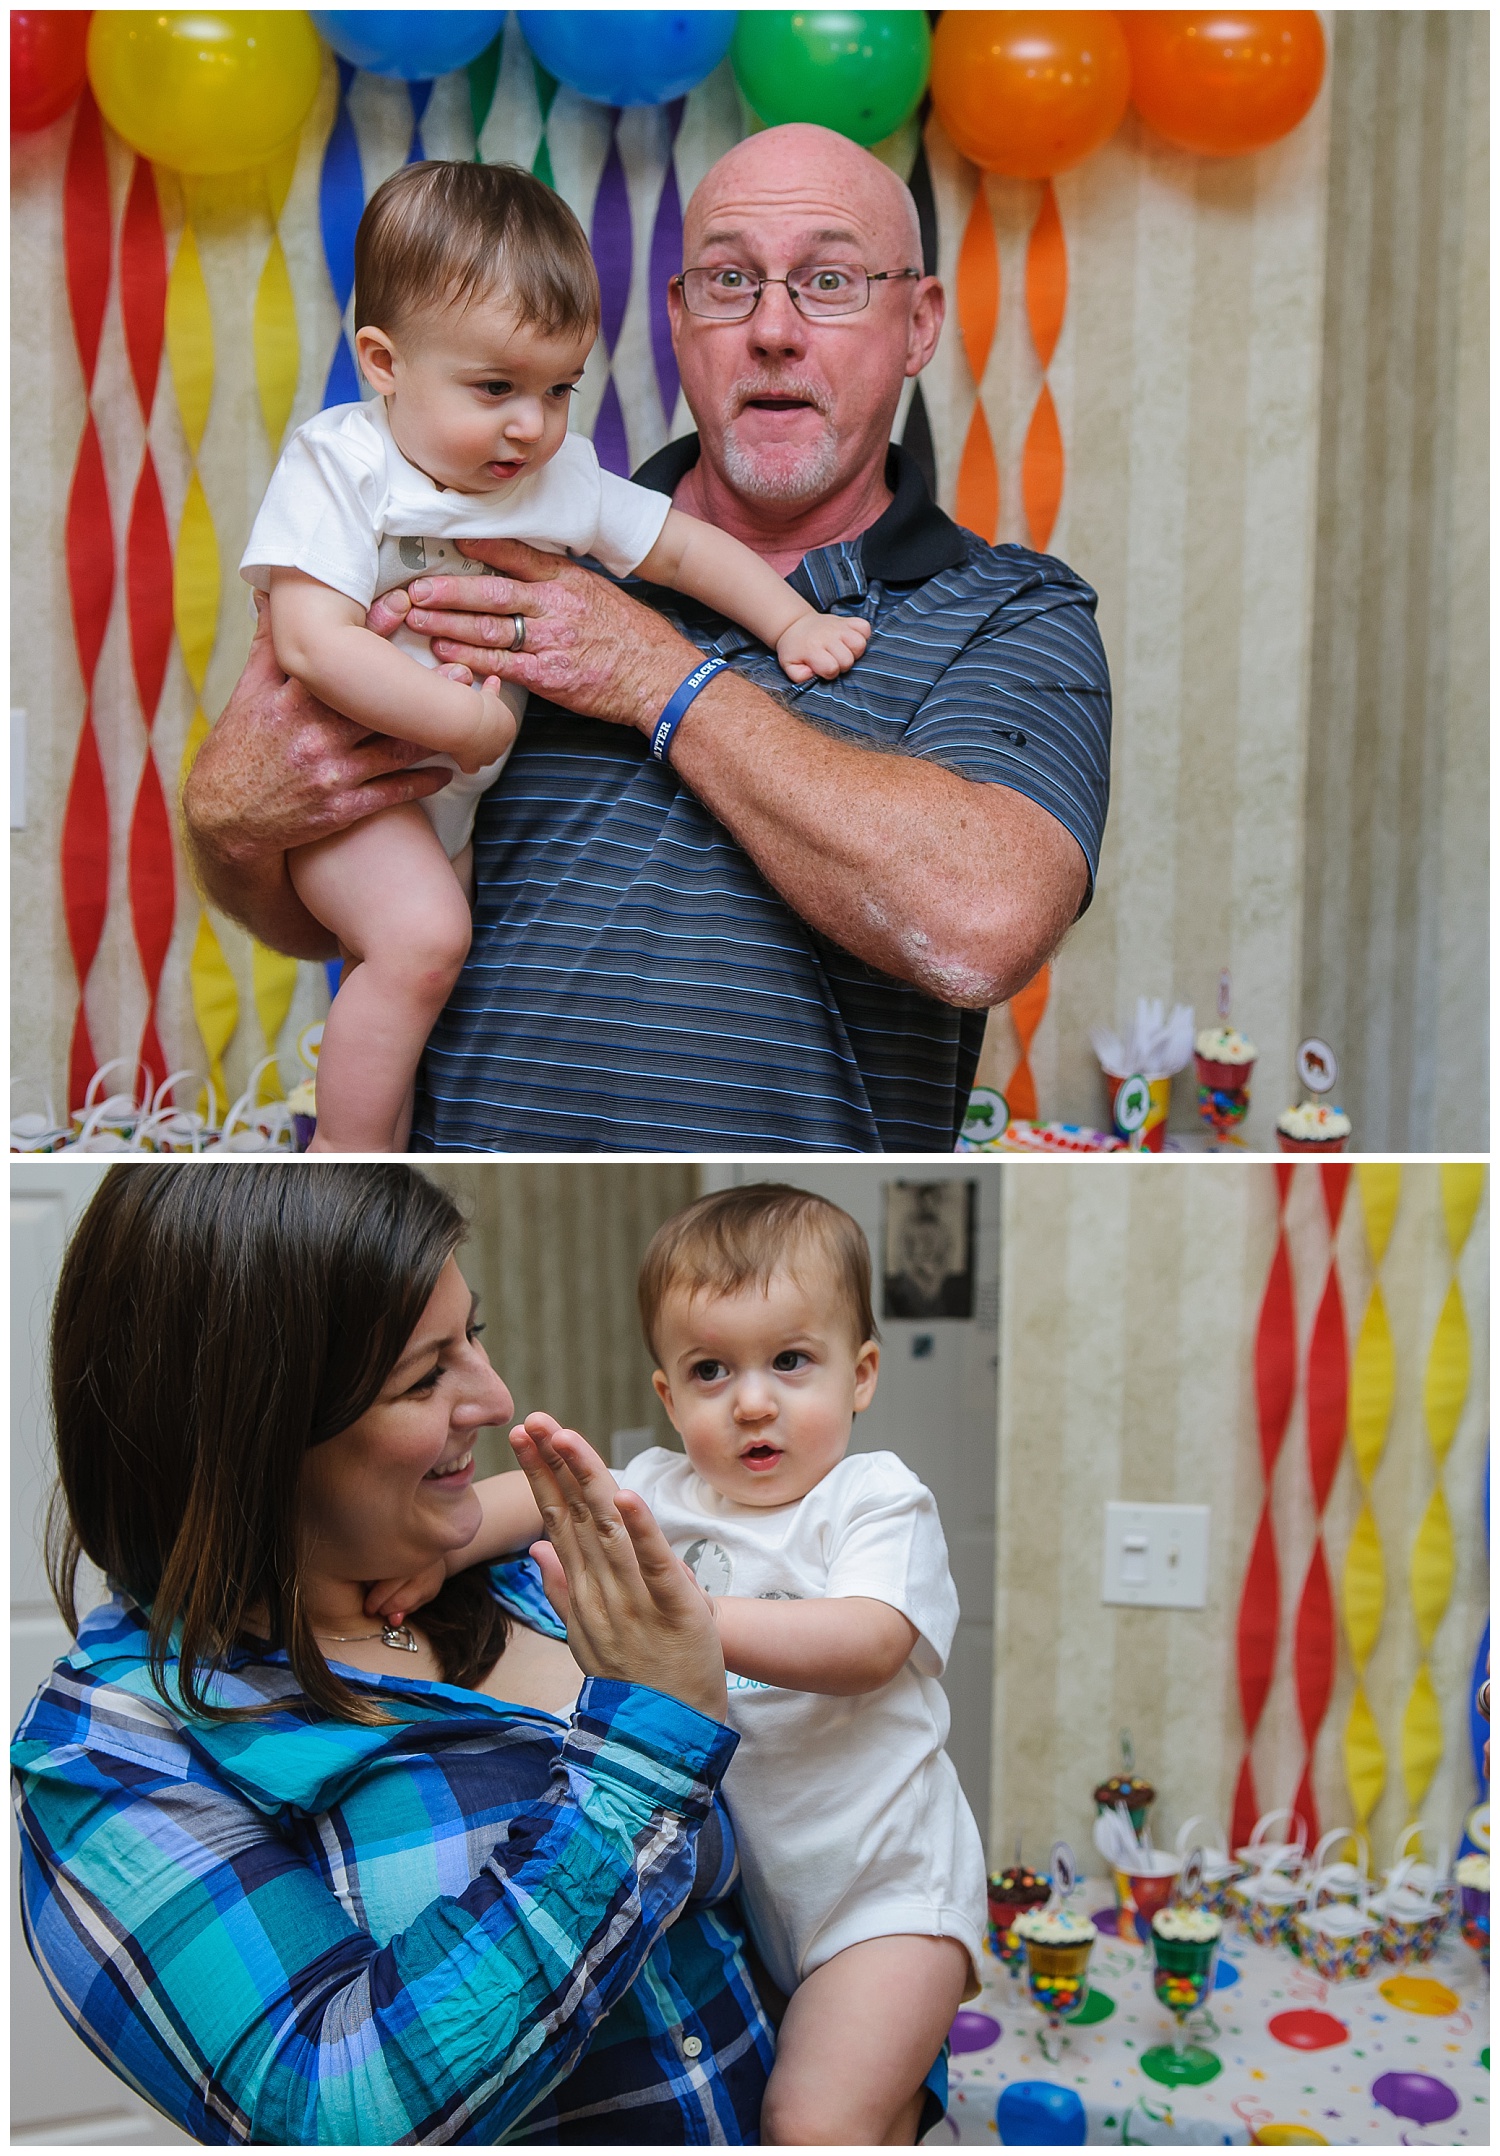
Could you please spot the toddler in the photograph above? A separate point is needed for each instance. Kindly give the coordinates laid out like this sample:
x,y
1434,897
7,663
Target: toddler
x,y
863,1868
476,305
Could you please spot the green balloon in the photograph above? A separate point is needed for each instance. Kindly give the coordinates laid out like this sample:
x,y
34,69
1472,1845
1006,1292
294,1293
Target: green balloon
x,y
862,75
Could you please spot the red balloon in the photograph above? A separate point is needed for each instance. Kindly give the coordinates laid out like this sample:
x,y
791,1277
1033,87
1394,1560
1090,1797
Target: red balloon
x,y
1223,85
1032,91
46,65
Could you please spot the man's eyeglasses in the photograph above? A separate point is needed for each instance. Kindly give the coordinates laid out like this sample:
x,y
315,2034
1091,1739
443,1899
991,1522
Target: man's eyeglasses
x,y
729,294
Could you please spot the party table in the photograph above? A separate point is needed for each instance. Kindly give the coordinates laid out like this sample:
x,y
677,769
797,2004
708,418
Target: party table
x,y
1400,2057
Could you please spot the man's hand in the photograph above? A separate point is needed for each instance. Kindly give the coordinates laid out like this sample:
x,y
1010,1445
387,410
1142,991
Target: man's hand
x,y
588,646
278,771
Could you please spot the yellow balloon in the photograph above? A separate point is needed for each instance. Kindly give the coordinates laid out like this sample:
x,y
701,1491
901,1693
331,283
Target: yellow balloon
x,y
205,93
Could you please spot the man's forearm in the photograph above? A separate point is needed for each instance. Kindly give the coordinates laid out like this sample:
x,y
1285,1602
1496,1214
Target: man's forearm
x,y
839,1647
962,888
256,890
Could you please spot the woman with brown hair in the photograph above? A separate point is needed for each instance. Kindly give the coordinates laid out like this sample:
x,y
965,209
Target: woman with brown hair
x,y
299,1876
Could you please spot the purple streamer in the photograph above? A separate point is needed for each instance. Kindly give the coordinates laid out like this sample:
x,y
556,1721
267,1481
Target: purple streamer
x,y
666,261
610,240
418,92
610,444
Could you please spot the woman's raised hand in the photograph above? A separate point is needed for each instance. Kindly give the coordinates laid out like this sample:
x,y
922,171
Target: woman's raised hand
x,y
632,1610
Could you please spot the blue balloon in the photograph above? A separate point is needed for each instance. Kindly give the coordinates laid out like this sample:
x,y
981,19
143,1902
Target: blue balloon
x,y
413,44
1041,2114
629,56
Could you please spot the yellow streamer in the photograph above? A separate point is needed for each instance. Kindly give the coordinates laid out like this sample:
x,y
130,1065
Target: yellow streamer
x,y
1447,1379
275,980
1372,1393
216,1006
1379,1191
195,584
1433,1561
277,354
1432,1568
1463,1187
1364,1756
190,339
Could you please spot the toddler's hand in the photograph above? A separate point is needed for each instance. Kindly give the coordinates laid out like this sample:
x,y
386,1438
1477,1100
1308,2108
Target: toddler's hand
x,y
496,730
823,644
394,1600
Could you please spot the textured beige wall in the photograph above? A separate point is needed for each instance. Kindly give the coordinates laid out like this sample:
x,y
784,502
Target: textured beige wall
x,y
1395,944
1190,380
1129,1305
553,1254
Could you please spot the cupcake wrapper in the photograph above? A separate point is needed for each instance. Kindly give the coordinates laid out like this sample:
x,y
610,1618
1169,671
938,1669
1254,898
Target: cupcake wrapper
x,y
1311,1145
1224,1077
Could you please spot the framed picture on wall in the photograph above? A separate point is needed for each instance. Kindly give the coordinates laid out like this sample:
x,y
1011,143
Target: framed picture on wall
x,y
928,1270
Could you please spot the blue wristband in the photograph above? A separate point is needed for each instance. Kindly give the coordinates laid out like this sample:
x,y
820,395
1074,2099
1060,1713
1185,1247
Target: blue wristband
x,y
677,703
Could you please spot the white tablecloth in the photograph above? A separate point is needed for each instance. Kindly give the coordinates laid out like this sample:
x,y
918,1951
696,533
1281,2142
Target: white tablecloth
x,y
1425,2063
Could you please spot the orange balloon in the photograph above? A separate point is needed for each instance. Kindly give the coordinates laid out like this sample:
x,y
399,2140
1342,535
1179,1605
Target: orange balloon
x,y
1032,91
1224,84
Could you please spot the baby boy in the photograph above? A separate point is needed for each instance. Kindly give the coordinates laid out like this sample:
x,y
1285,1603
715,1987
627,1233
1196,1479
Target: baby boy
x,y
828,1573
476,305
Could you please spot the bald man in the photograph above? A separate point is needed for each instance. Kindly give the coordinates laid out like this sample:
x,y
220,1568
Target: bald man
x,y
784,936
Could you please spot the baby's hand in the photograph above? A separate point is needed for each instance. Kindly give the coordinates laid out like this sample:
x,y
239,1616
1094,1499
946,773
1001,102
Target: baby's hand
x,y
823,644
394,1600
496,730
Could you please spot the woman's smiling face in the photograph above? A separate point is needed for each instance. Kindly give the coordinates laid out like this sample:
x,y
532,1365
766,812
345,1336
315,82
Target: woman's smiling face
x,y
395,1490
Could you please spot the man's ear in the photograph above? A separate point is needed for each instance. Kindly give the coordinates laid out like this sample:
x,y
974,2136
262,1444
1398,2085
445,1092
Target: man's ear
x,y
928,310
377,359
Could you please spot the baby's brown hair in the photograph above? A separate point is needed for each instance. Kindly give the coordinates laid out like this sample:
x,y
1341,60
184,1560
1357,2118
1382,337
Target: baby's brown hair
x,y
735,1238
441,234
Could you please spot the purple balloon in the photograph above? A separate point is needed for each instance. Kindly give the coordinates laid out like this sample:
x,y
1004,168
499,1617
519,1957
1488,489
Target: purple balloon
x,y
973,2032
1415,2096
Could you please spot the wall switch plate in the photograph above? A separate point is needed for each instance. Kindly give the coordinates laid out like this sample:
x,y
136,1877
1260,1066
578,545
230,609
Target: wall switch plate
x,y
1156,1556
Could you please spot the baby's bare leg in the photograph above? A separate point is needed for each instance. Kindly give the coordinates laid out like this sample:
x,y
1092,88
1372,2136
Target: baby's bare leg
x,y
386,889
857,2041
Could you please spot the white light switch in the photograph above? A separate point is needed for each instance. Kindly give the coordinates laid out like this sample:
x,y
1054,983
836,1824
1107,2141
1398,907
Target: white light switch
x,y
1156,1556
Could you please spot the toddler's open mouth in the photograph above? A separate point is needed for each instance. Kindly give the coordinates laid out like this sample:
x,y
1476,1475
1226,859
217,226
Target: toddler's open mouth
x,y
759,1457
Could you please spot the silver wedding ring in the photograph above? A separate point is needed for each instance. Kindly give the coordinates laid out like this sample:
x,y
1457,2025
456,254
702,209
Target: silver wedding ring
x,y
518,624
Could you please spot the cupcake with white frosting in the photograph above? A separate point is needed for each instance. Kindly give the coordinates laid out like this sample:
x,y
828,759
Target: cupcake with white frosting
x,y
1312,1128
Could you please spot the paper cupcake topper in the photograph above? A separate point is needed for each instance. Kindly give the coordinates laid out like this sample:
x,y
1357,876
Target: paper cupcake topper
x,y
1064,1870
987,1116
1190,1878
1317,1065
1224,996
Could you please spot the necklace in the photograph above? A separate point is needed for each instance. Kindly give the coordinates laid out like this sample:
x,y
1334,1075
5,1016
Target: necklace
x,y
389,1635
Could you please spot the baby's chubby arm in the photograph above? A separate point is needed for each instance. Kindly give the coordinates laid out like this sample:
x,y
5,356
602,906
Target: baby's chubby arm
x,y
321,638
704,563
840,1646
511,1523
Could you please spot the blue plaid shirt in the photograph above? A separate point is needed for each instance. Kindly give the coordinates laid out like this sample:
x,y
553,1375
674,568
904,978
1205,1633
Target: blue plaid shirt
x,y
452,1928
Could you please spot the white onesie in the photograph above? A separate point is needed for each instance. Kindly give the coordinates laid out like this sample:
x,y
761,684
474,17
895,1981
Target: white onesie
x,y
848,1813
345,507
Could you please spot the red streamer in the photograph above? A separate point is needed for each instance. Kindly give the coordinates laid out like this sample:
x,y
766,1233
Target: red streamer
x,y
1327,1418
1259,1618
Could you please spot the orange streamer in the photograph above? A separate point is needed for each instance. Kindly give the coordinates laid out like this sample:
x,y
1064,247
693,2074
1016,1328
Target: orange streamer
x,y
977,500
1042,461
1026,1008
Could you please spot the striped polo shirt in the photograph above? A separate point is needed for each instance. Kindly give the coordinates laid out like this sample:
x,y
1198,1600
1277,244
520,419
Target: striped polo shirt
x,y
635,984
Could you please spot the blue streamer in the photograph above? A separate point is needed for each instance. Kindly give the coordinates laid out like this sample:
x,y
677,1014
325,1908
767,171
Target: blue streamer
x,y
418,92
341,204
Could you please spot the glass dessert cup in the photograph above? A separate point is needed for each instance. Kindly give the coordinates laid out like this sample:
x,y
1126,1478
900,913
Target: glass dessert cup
x,y
1057,1979
1184,1979
1011,1892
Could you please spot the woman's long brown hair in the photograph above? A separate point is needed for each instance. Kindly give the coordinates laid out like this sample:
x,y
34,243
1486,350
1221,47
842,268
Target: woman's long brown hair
x,y
211,1324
